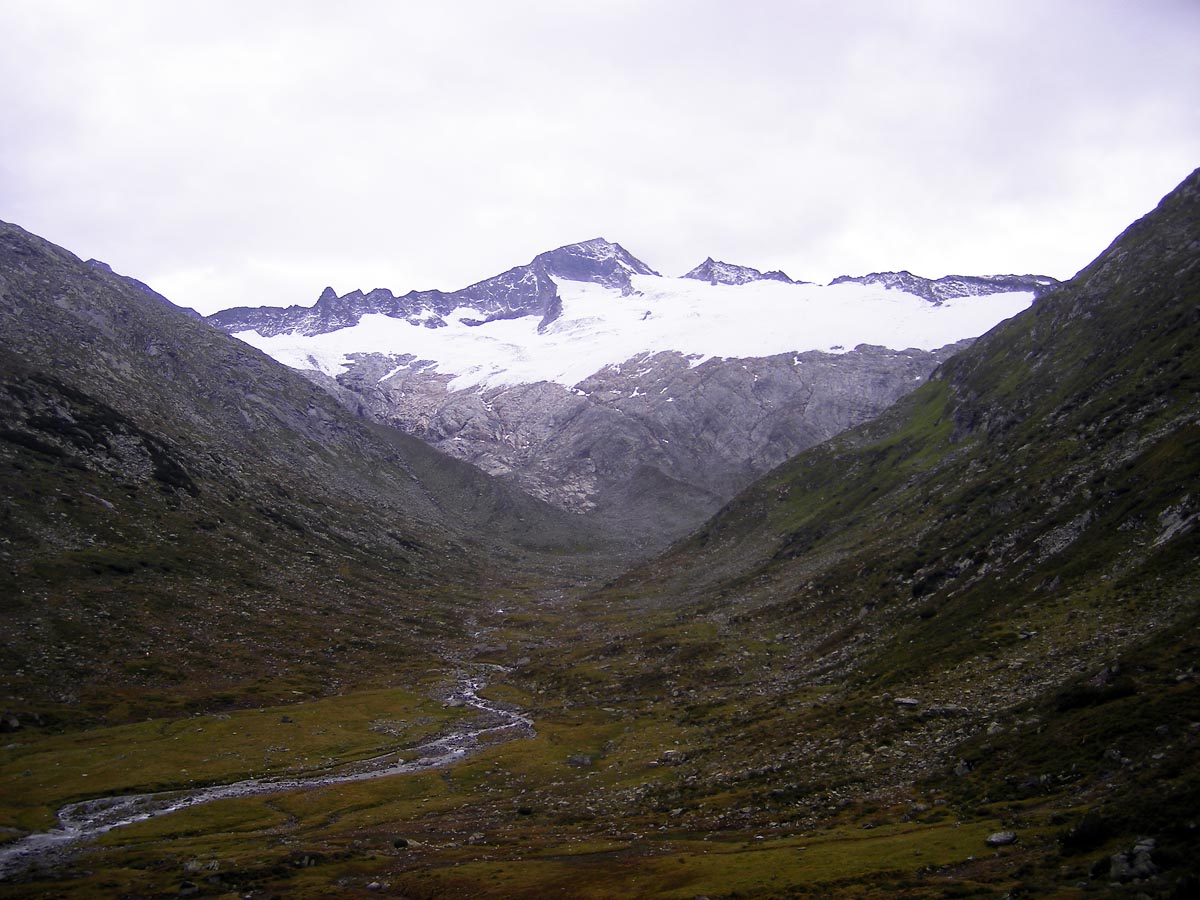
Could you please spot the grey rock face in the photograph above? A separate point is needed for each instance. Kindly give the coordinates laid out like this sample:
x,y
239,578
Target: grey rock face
x,y
1135,864
938,291
655,443
142,286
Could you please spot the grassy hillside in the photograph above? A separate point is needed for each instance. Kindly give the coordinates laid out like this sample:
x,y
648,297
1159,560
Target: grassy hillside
x,y
997,578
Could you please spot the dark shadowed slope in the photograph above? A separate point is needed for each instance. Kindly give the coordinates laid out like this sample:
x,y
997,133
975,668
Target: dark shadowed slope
x,y
182,512
1011,440
988,594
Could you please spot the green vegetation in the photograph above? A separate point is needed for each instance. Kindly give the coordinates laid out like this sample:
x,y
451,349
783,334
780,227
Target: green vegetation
x,y
41,772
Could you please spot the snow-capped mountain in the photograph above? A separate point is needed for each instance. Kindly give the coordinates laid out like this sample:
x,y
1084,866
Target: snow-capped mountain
x,y
604,387
522,291
573,311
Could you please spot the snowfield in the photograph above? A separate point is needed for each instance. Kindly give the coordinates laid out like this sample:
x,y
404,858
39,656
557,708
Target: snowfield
x,y
598,327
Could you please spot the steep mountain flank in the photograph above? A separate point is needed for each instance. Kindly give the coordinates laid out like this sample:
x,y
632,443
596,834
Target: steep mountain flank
x,y
652,446
985,598
182,511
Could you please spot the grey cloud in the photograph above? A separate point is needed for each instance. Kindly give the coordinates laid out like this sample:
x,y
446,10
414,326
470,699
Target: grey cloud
x,y
243,153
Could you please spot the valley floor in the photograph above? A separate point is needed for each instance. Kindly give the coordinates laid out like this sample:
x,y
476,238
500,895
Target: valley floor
x,y
617,791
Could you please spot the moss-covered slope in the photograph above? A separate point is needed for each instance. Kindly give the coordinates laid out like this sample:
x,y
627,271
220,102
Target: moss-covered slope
x,y
998,578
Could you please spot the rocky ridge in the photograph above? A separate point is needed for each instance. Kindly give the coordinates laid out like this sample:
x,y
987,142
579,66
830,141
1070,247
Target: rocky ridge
x,y
527,290
715,272
939,290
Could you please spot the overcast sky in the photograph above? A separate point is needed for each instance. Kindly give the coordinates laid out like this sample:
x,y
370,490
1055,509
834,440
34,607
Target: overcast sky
x,y
249,153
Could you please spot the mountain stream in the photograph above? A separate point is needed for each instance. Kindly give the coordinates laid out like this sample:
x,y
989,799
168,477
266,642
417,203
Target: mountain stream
x,y
86,819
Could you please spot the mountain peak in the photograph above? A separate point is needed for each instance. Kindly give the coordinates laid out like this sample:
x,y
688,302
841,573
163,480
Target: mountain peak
x,y
716,272
600,247
596,260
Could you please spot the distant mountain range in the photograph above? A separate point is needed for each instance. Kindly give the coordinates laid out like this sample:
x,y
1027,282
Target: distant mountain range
x,y
531,290
527,290
591,381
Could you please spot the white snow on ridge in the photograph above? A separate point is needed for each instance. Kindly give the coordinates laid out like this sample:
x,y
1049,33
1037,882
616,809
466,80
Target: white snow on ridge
x,y
599,327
